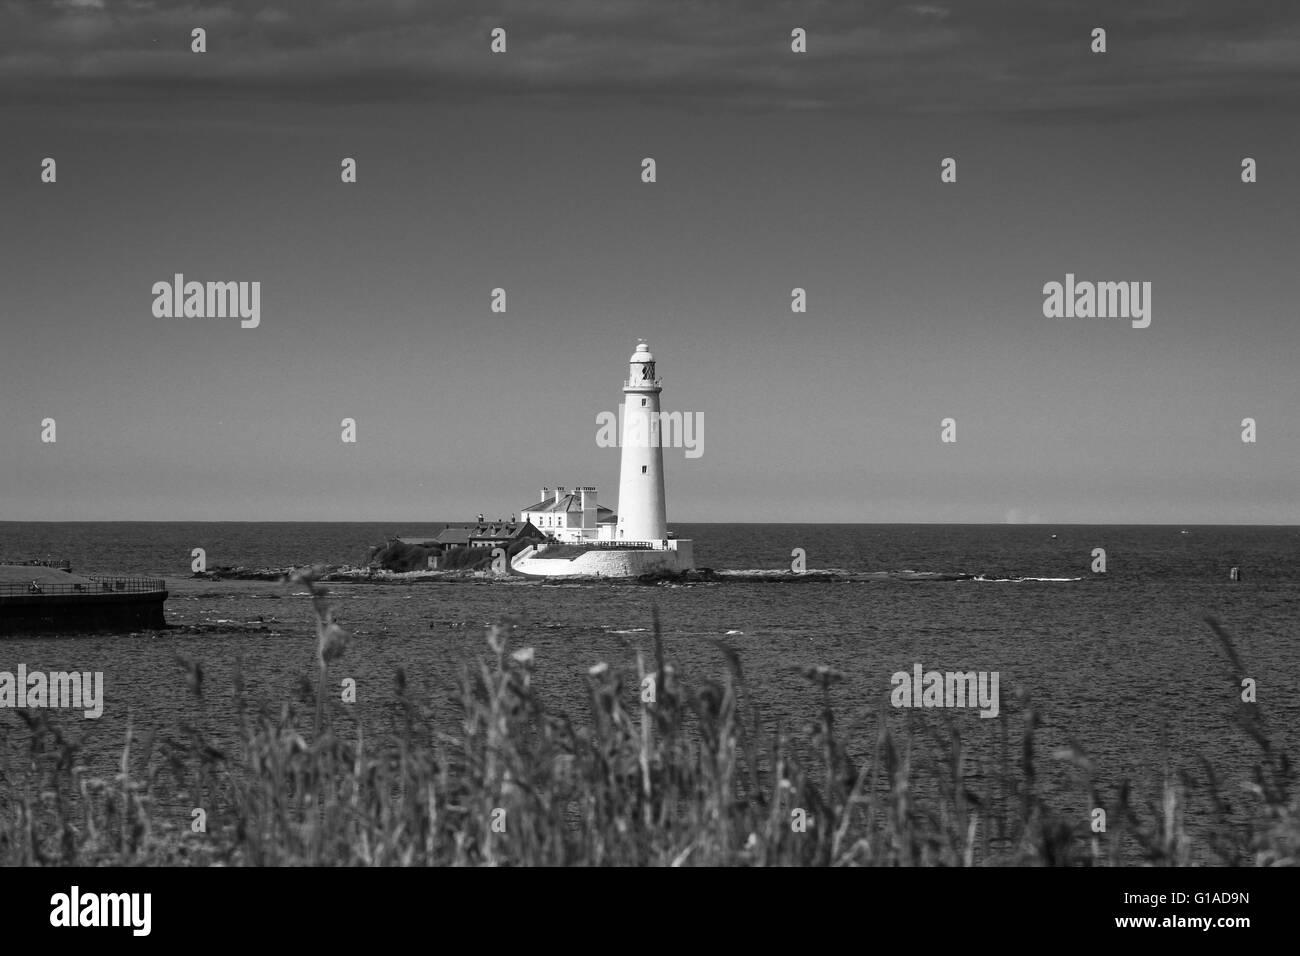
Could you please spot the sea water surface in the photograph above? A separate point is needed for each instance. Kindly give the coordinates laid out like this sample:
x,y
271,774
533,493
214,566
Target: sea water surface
x,y
1120,662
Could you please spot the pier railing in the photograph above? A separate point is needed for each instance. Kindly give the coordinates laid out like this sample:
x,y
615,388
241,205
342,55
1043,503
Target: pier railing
x,y
593,544
96,585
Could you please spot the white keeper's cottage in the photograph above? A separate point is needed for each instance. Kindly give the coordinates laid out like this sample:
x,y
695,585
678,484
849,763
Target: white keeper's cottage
x,y
571,515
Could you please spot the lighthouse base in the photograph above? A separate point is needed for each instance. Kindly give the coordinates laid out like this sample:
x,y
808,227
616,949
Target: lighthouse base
x,y
605,560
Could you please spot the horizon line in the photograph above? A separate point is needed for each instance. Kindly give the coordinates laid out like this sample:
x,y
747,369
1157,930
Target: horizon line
x,y
985,524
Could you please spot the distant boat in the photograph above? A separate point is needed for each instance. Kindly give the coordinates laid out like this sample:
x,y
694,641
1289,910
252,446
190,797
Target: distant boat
x,y
1184,531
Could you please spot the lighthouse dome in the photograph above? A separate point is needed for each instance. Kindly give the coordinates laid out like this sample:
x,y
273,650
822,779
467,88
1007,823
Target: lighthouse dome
x,y
642,354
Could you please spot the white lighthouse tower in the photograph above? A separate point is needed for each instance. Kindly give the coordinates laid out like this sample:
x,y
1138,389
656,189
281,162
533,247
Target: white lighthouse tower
x,y
642,515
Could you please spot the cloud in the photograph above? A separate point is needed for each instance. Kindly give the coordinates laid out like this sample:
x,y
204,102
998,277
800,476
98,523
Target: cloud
x,y
1019,57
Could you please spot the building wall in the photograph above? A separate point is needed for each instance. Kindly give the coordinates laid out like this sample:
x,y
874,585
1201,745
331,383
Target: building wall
x,y
83,613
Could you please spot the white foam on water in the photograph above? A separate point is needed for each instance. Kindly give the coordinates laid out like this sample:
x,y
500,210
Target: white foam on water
x,y
1020,580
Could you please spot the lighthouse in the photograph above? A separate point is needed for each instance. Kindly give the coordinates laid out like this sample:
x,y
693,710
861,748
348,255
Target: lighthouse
x,y
635,543
642,515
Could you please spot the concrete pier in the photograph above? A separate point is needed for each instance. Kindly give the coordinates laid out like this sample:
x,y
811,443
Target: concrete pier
x,y
46,600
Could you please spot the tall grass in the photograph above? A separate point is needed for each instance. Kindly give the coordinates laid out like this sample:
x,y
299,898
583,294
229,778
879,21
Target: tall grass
x,y
658,772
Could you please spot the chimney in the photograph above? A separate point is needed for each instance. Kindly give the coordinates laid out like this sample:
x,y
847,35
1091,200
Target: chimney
x,y
589,507
559,493
546,493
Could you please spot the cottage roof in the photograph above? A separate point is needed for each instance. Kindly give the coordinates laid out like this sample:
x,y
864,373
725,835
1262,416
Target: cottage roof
x,y
568,502
503,531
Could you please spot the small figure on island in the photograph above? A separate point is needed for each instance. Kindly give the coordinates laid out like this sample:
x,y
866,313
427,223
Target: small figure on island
x,y
35,588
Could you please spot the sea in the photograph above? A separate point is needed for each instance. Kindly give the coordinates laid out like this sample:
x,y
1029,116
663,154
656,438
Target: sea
x,y
1120,663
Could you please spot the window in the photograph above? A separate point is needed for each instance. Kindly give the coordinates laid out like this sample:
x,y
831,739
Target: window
x,y
643,401
643,469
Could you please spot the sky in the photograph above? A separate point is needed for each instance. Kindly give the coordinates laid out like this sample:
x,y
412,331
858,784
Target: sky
x,y
775,170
